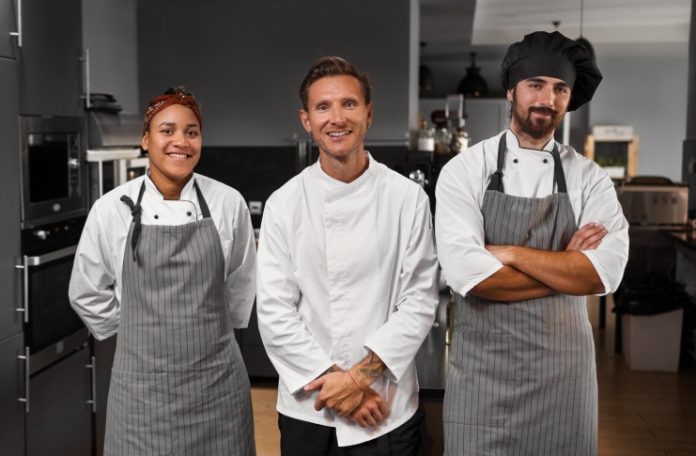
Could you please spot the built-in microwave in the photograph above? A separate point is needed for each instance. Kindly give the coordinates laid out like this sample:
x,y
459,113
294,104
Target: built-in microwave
x,y
52,174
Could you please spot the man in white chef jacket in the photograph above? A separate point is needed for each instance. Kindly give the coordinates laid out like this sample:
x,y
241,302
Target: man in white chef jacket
x,y
526,227
347,283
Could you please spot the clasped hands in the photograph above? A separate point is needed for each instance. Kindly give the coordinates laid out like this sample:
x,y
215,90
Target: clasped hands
x,y
340,391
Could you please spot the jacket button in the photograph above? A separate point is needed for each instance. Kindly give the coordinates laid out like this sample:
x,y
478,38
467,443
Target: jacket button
x,y
188,213
156,216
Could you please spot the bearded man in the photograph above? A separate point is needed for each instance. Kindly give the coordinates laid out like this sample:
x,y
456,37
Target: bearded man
x,y
522,376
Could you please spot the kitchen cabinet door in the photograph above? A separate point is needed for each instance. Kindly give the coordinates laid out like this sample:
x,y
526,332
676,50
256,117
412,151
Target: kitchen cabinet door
x,y
103,359
60,419
12,413
10,299
8,24
50,66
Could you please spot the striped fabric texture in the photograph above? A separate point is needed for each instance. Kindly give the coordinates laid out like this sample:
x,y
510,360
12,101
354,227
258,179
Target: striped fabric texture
x,y
522,376
179,385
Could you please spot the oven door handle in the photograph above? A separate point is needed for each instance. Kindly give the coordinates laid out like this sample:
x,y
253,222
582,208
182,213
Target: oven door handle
x,y
30,261
51,256
92,366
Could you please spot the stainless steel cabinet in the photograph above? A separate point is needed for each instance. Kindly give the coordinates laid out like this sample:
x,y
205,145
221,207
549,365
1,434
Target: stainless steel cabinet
x,y
50,65
8,25
12,387
60,419
10,319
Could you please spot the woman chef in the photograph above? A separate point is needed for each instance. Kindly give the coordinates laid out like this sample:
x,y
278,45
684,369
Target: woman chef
x,y
167,261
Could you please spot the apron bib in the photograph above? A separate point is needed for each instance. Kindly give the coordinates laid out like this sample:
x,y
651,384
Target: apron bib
x,y
178,384
522,378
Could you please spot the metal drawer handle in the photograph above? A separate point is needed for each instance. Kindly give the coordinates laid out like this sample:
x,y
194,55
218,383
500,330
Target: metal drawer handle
x,y
18,33
93,374
24,266
27,371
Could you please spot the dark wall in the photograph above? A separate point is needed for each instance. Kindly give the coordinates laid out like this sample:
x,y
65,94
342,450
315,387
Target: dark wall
x,y
691,104
245,60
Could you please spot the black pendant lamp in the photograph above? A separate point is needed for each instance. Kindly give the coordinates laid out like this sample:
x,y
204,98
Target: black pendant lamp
x,y
581,39
473,84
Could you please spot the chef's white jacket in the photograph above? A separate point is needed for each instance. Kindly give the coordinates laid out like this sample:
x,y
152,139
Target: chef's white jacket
x,y
345,269
527,173
95,284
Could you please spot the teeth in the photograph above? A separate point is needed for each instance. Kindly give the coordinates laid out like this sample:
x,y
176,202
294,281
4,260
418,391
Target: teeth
x,y
178,155
336,134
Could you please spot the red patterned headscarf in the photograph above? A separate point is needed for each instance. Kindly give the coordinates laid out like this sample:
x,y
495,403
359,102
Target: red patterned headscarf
x,y
176,95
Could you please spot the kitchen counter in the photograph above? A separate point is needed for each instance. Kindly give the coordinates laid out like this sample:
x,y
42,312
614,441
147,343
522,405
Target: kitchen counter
x,y
684,241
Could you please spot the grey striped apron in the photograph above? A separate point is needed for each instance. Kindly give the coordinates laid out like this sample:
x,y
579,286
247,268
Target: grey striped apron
x,y
178,384
522,377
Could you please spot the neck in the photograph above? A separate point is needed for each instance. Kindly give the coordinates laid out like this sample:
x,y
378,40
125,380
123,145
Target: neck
x,y
170,190
345,169
529,142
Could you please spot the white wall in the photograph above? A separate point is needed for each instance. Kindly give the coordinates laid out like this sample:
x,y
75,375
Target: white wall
x,y
646,89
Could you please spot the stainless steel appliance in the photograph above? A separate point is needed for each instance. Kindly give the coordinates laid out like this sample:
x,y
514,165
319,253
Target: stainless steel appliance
x,y
113,153
654,201
51,169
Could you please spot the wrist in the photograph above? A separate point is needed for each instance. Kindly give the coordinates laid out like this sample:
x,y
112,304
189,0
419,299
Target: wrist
x,y
354,378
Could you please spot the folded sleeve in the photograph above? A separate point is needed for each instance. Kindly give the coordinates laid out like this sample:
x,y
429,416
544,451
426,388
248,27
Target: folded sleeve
x,y
397,341
91,290
602,206
292,349
241,271
459,229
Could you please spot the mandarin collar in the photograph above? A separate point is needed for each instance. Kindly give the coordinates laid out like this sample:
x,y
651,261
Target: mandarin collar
x,y
513,143
187,193
334,184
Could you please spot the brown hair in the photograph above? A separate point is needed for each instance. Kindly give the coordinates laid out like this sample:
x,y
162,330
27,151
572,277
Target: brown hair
x,y
173,95
334,66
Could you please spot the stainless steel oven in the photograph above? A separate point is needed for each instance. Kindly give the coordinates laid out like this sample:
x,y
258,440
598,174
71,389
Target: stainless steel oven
x,y
48,252
51,169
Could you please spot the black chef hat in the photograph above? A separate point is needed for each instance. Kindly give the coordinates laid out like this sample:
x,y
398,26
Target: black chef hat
x,y
553,55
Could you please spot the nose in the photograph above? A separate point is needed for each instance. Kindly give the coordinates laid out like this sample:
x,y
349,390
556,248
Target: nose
x,y
180,139
547,96
336,115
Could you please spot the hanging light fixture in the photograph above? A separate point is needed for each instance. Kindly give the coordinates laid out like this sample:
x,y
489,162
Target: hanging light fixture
x,y
473,84
581,39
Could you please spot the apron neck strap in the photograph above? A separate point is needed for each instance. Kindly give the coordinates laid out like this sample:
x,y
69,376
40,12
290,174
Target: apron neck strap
x,y
496,183
201,201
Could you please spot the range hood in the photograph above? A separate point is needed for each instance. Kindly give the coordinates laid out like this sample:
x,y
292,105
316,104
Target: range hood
x,y
113,136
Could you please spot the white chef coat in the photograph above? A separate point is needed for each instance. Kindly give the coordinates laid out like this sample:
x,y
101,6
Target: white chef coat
x,y
95,284
527,173
345,269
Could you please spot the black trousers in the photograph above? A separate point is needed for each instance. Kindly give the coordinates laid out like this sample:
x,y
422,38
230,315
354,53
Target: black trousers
x,y
300,438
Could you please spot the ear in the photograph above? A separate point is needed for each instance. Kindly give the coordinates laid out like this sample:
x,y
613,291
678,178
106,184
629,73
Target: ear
x,y
369,114
145,142
304,119
509,95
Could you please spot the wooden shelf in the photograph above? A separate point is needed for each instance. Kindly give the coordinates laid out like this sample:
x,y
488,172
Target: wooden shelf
x,y
627,149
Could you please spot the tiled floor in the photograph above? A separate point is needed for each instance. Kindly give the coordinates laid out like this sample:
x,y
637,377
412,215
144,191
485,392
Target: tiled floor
x,y
640,413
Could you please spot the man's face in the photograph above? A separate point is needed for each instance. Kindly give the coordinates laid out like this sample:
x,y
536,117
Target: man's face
x,y
337,116
538,105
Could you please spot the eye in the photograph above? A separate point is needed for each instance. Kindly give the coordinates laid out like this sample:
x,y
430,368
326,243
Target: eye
x,y
350,104
562,89
193,133
322,107
166,131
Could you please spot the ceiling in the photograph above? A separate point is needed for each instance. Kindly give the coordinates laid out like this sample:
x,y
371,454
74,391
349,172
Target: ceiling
x,y
452,27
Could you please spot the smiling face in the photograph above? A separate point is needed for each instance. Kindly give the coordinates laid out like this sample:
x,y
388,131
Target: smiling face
x,y
173,143
337,116
538,106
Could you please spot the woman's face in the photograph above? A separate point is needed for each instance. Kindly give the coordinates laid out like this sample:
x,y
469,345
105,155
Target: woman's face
x,y
173,143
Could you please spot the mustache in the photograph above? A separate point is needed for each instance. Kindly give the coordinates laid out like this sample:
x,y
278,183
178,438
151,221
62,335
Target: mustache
x,y
543,110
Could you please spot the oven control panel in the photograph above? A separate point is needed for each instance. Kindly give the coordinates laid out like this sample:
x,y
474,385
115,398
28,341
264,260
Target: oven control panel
x,y
52,236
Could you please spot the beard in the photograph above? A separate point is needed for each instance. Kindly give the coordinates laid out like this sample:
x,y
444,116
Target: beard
x,y
536,128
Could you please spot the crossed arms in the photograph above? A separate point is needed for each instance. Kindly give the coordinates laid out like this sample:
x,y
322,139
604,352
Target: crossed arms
x,y
530,273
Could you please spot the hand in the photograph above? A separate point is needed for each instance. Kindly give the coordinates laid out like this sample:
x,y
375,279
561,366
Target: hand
x,y
338,392
502,252
587,237
371,411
